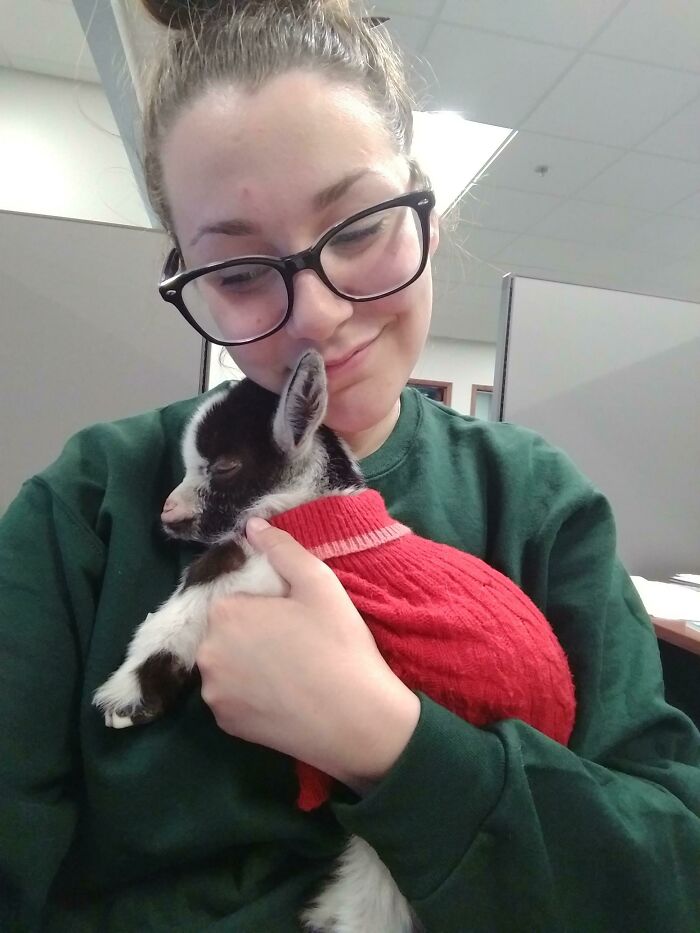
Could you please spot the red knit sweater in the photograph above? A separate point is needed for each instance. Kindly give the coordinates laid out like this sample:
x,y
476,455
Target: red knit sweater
x,y
446,623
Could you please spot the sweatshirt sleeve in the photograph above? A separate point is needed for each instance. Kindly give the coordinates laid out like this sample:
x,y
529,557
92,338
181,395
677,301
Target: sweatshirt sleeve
x,y
501,828
42,600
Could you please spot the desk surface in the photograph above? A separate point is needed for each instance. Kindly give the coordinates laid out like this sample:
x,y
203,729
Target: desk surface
x,y
676,632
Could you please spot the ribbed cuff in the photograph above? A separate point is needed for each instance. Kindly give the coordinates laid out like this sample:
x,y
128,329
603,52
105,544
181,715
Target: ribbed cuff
x,y
423,816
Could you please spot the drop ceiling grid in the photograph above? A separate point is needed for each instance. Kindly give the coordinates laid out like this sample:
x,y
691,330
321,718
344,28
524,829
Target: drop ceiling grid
x,y
639,225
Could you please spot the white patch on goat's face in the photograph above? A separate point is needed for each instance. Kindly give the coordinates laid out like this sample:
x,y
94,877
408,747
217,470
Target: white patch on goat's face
x,y
183,505
195,464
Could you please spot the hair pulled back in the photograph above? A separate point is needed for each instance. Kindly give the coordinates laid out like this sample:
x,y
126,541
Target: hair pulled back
x,y
244,43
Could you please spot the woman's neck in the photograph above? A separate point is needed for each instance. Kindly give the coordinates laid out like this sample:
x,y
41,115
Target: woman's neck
x,y
364,443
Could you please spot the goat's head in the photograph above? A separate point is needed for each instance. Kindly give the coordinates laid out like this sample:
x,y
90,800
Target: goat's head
x,y
248,452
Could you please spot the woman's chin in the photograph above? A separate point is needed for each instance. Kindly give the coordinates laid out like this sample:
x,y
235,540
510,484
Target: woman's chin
x,y
362,410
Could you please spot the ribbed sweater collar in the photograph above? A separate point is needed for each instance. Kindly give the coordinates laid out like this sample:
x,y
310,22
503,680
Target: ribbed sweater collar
x,y
337,525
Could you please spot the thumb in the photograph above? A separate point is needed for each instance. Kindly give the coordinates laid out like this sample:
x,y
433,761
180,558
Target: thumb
x,y
291,561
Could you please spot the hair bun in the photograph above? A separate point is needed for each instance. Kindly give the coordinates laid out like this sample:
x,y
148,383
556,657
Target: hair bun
x,y
180,14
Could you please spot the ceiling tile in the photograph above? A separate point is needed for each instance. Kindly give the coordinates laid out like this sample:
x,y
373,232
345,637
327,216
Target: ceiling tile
x,y
682,279
587,222
492,79
688,207
471,271
662,32
666,235
470,314
644,181
514,268
450,261
543,20
585,264
480,242
480,296
637,98
543,252
425,8
680,137
410,32
506,209
572,164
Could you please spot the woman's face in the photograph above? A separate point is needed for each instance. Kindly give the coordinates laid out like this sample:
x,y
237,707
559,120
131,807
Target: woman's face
x,y
263,159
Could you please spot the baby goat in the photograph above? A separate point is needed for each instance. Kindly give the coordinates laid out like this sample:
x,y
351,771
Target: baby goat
x,y
483,649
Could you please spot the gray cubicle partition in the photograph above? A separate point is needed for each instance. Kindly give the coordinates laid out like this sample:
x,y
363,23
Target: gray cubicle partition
x,y
613,379
84,335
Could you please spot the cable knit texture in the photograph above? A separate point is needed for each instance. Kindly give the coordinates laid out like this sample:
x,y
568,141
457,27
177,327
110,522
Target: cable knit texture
x,y
447,623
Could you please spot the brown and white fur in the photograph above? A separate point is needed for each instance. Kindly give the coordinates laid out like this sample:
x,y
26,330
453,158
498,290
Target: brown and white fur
x,y
247,452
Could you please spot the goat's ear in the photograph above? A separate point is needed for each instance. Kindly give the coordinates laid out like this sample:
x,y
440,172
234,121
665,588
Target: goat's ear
x,y
302,405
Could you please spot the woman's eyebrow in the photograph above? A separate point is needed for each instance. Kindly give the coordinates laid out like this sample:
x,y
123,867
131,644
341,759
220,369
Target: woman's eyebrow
x,y
229,227
321,200
338,188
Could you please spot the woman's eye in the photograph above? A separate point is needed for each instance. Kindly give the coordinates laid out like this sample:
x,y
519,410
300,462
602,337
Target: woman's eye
x,y
354,235
241,280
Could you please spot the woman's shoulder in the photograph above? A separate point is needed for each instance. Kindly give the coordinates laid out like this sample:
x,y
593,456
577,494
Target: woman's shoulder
x,y
119,458
508,440
502,454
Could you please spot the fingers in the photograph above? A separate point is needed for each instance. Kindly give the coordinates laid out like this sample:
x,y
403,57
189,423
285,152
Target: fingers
x,y
291,561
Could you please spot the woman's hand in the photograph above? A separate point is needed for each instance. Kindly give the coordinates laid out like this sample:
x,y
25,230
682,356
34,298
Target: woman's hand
x,y
302,673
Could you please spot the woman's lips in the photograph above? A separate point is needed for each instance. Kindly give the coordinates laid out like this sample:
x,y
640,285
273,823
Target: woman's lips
x,y
350,360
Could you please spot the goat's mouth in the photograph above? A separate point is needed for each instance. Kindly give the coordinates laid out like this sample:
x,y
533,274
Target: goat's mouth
x,y
185,528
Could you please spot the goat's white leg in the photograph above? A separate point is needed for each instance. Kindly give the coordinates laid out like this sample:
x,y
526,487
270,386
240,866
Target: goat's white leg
x,y
162,652
160,658
361,897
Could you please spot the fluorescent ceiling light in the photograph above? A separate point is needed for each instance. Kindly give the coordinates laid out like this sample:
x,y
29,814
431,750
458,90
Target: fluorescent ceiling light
x,y
454,152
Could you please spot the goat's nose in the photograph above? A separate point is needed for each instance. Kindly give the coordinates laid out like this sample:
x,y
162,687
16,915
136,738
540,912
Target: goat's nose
x,y
175,510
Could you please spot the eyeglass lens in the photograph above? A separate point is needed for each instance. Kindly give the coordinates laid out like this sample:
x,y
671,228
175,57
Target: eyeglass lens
x,y
366,259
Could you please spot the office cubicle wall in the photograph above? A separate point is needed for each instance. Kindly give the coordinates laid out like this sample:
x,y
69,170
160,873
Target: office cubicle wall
x,y
613,379
84,335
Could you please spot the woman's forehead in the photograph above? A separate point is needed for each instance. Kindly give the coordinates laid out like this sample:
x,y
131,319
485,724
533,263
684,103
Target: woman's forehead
x,y
273,149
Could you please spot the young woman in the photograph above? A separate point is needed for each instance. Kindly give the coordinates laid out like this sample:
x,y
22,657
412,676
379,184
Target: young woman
x,y
266,127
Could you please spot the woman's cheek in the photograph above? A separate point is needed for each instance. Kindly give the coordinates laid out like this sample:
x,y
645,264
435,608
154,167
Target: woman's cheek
x,y
263,363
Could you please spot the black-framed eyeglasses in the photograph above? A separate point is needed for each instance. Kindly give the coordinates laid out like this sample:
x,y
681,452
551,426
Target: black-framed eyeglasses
x,y
371,255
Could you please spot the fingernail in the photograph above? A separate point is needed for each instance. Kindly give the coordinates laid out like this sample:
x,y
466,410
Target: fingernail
x,y
256,524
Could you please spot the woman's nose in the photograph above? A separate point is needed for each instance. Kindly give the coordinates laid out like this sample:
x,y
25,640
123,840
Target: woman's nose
x,y
317,311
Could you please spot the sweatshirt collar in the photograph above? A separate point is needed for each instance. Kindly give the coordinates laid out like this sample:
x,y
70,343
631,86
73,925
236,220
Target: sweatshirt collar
x,y
396,447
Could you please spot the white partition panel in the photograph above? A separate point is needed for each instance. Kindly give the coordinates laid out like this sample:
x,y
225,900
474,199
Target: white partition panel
x,y
613,379
84,335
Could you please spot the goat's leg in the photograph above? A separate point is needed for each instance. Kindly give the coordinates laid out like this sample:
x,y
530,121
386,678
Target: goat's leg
x,y
361,896
159,660
162,652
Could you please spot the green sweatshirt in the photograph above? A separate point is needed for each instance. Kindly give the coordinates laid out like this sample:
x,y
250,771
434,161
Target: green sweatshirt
x,y
176,826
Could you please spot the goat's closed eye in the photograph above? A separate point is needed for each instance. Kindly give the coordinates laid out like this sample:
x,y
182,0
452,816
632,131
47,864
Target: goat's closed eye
x,y
225,467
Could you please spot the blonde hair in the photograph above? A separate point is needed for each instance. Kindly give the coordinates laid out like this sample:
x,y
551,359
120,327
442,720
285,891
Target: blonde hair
x,y
244,44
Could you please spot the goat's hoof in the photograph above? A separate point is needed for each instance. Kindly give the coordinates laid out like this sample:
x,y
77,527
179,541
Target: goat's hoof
x,y
117,721
120,700
134,716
